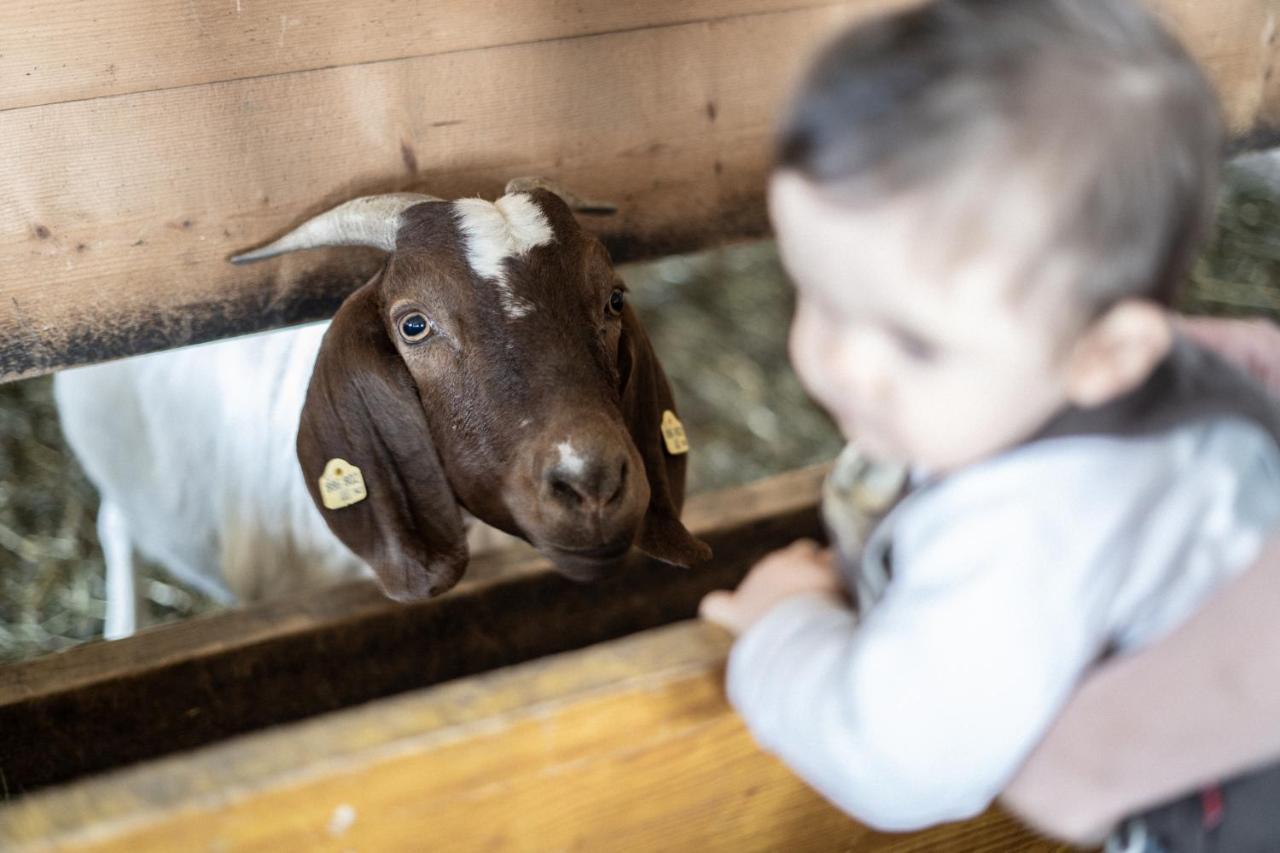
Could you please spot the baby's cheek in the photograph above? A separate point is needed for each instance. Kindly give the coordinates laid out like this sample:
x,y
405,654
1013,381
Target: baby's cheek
x,y
947,425
806,350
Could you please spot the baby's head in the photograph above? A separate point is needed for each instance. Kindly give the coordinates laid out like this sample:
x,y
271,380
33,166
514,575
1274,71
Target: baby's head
x,y
985,206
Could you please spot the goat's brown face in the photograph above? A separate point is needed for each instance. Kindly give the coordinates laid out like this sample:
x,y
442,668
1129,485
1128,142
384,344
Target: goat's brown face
x,y
494,365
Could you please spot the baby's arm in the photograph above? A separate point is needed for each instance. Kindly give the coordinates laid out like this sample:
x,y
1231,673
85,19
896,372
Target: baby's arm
x,y
1198,707
922,713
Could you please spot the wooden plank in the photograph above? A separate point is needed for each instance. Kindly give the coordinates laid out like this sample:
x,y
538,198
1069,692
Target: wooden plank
x,y
73,52
1237,44
105,705
100,48
116,220
624,746
132,229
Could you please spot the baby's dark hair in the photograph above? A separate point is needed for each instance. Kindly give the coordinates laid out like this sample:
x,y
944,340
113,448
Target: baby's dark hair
x,y
1097,105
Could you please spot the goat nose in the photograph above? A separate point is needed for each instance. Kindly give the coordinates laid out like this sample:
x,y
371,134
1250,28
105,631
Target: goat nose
x,y
592,487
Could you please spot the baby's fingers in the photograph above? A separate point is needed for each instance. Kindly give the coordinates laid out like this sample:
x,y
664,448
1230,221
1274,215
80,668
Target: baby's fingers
x,y
718,609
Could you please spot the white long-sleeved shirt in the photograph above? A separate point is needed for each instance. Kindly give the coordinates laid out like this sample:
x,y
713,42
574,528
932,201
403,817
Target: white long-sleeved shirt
x,y
1010,578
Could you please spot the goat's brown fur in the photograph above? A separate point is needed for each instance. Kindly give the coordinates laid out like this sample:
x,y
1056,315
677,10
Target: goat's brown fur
x,y
472,416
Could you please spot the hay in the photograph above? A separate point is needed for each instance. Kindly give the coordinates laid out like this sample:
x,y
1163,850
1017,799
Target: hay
x,y
52,592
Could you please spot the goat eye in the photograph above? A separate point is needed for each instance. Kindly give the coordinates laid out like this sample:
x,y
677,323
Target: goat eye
x,y
616,300
414,327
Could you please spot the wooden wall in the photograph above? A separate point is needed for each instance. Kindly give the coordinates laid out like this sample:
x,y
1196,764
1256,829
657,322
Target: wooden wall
x,y
145,141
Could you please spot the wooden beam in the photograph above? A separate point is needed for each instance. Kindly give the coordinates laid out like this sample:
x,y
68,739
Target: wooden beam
x,y
119,211
115,230
101,48
108,704
1237,45
627,745
104,48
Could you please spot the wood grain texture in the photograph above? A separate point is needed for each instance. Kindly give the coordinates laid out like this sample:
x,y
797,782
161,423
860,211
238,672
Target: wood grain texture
x,y
1237,45
108,704
100,48
118,212
628,745
115,230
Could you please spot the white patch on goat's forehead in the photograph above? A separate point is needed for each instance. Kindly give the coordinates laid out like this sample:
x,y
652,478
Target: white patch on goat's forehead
x,y
570,461
495,231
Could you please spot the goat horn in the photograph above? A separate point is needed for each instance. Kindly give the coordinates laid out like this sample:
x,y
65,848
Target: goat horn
x,y
372,220
576,203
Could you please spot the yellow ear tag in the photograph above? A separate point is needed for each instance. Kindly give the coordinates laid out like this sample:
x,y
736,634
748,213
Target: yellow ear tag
x,y
673,434
341,484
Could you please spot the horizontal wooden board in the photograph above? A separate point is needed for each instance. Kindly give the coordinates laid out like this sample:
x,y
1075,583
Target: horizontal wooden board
x,y
628,745
101,48
115,231
117,214
94,49
107,704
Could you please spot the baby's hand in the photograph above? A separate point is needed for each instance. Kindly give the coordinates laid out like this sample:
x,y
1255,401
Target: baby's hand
x,y
802,567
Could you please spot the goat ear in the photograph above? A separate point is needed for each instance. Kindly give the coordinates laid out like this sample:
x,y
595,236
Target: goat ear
x,y
646,397
362,407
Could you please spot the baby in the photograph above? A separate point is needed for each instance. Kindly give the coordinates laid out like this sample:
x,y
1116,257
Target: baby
x,y
987,207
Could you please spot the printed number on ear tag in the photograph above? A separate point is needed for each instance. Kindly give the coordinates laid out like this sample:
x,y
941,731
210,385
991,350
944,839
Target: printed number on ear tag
x,y
341,484
673,434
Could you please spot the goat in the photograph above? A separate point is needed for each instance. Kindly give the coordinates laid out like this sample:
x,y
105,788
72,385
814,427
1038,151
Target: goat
x,y
491,367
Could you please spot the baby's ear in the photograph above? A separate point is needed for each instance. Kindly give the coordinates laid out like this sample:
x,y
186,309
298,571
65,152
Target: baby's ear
x,y
1117,352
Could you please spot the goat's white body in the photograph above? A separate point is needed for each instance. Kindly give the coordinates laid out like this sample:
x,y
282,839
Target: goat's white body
x,y
193,451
